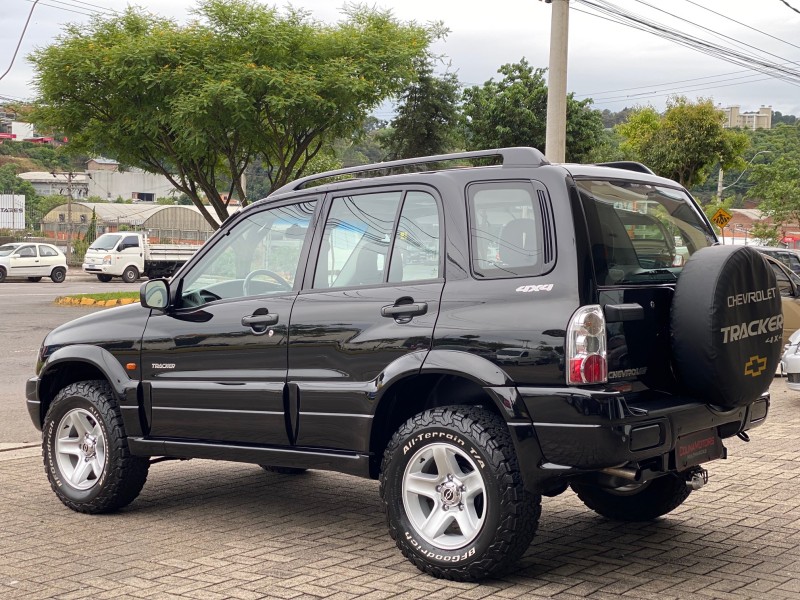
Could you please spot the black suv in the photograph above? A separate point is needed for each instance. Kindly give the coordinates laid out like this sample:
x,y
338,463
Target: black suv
x,y
473,335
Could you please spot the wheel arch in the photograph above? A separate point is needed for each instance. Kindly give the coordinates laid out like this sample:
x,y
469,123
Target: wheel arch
x,y
442,378
81,362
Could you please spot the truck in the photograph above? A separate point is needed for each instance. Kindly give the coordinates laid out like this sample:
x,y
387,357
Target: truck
x,y
130,255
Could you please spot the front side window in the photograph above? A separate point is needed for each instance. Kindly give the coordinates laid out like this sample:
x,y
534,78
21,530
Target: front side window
x,y
259,256
507,237
640,233
27,251
130,241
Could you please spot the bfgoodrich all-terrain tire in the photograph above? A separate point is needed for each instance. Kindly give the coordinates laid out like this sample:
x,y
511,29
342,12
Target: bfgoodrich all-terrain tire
x,y
453,494
85,451
635,502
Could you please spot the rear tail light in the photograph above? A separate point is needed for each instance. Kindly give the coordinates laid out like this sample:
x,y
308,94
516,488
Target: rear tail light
x,y
586,347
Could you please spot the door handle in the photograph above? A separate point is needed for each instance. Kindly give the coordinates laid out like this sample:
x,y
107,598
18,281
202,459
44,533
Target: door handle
x,y
405,310
262,320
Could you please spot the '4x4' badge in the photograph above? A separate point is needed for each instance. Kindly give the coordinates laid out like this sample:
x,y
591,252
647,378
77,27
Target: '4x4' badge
x,y
547,287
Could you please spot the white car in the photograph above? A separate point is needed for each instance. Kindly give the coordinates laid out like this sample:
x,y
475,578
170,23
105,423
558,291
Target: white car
x,y
32,260
790,362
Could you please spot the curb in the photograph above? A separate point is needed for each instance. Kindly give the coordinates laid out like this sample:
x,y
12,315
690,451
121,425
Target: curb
x,y
84,301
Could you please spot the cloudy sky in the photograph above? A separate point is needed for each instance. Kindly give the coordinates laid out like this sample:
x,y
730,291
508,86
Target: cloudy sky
x,y
614,64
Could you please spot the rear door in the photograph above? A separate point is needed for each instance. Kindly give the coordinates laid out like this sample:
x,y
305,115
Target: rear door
x,y
635,230
372,297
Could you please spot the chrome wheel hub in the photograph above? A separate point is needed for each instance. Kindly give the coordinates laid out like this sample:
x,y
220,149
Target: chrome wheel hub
x,y
80,449
444,496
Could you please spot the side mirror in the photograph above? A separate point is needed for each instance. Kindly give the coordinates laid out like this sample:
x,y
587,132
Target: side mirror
x,y
155,294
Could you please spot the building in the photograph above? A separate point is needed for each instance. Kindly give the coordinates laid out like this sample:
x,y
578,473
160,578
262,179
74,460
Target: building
x,y
57,184
102,179
163,223
738,230
16,131
761,119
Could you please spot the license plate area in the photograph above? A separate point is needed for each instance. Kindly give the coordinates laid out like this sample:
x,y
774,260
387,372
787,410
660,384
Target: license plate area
x,y
699,447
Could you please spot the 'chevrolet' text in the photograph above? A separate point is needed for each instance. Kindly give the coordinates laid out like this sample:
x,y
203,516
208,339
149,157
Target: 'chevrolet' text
x,y
752,297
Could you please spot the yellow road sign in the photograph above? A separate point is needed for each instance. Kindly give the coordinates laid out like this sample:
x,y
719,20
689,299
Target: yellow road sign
x,y
721,218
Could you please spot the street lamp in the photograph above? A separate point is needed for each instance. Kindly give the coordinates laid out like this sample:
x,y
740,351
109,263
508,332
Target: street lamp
x,y
721,189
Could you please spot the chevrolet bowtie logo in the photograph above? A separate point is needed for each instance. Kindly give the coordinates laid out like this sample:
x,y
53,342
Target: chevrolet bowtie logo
x,y
755,366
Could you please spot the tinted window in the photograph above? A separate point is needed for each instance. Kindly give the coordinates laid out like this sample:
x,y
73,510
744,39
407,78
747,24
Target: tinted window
x,y
355,242
260,256
416,251
506,231
130,241
640,232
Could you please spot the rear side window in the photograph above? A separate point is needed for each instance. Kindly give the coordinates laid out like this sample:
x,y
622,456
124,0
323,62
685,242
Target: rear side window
x,y
509,230
640,233
47,251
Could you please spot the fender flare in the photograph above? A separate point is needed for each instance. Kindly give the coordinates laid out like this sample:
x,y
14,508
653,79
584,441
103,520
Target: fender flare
x,y
125,388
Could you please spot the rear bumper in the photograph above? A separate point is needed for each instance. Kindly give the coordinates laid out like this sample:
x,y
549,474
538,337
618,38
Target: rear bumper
x,y
585,430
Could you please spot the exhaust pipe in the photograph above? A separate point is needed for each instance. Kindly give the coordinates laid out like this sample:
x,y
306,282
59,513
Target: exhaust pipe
x,y
623,473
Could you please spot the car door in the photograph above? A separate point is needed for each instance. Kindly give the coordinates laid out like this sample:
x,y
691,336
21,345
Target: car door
x,y
129,252
25,262
214,368
372,298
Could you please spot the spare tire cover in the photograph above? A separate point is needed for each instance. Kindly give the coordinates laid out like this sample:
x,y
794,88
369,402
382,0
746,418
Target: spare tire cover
x,y
726,325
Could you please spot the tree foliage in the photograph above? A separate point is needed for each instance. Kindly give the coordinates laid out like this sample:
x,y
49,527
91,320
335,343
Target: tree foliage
x,y
685,142
513,112
198,102
427,116
777,185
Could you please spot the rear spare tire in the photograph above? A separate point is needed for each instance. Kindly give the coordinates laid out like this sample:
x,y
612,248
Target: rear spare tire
x,y
726,325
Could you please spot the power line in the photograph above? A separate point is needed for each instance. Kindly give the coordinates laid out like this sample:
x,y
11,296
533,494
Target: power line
x,y
742,24
615,14
790,6
21,36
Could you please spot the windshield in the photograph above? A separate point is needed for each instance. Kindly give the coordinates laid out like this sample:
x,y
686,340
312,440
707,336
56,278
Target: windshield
x,y
107,241
7,249
641,233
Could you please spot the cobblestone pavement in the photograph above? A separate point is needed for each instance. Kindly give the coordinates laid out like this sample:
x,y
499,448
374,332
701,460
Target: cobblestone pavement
x,y
209,530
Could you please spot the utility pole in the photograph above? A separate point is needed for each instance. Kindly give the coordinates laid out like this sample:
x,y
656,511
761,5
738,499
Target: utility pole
x,y
69,217
556,136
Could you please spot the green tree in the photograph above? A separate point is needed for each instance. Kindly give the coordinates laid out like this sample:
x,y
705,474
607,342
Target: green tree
x,y
427,116
198,102
777,185
684,143
11,184
513,112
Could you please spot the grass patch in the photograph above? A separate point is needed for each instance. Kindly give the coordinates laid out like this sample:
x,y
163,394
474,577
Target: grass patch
x,y
107,296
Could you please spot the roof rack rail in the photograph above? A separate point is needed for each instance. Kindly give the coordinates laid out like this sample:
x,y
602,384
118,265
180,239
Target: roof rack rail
x,y
628,165
512,157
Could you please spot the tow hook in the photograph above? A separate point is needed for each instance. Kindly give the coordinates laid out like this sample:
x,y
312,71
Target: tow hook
x,y
696,478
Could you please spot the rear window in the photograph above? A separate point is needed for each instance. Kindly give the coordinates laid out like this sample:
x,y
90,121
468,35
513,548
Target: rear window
x,y
508,233
640,233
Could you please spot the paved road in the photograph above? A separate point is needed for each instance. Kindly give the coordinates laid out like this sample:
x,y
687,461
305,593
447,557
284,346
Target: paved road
x,y
216,531
27,314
